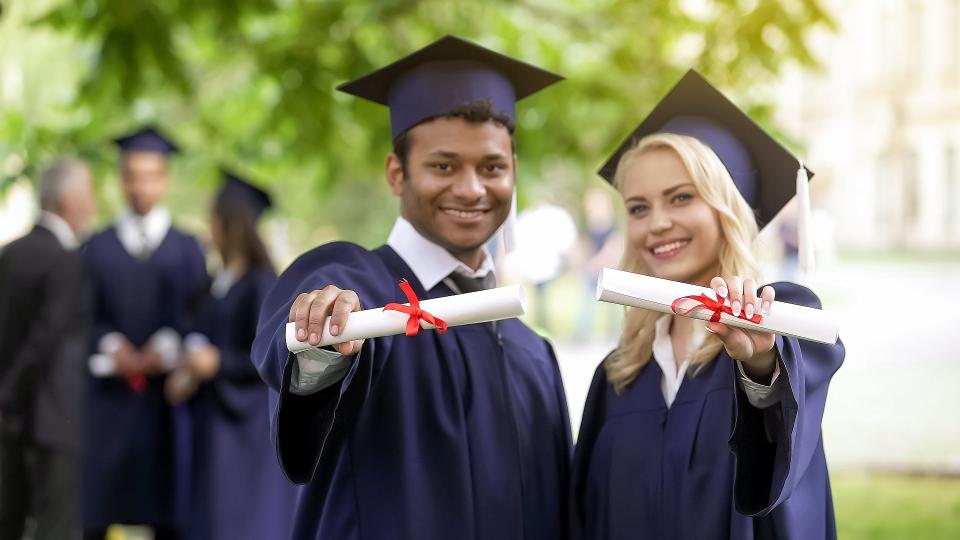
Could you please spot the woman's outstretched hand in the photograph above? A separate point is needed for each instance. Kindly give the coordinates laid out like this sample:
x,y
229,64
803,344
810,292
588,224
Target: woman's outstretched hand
x,y
753,349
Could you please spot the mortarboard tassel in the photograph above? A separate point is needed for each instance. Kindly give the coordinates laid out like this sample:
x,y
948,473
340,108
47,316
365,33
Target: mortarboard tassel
x,y
508,235
804,239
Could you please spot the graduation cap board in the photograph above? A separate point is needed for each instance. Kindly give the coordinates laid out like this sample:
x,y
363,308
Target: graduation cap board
x,y
765,173
237,188
146,139
447,74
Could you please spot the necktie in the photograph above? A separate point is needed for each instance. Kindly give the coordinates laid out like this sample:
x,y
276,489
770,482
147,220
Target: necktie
x,y
469,284
144,242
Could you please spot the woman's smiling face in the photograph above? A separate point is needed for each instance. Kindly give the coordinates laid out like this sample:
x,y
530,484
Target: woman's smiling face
x,y
669,225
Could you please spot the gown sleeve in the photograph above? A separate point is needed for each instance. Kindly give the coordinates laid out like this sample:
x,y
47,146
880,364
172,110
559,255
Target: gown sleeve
x,y
196,281
98,328
311,427
235,364
593,418
773,447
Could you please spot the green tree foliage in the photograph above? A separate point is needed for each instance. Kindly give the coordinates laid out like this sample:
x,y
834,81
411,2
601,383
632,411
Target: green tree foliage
x,y
251,83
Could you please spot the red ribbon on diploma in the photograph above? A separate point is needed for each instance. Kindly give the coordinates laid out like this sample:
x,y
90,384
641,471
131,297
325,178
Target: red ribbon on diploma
x,y
716,306
137,382
413,310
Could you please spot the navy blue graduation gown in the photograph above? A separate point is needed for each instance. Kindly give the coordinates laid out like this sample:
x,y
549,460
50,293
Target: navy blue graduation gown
x,y
712,465
239,491
462,435
129,462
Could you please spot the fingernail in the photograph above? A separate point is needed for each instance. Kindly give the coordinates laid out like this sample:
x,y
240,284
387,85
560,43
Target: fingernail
x,y
722,291
765,308
735,306
710,329
301,333
314,338
334,330
749,311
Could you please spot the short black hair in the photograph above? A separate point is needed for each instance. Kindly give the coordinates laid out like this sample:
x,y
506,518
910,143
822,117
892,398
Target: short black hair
x,y
475,112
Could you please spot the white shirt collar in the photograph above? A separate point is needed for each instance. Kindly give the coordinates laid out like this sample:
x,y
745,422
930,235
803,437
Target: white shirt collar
x,y
663,355
430,263
134,230
221,285
56,225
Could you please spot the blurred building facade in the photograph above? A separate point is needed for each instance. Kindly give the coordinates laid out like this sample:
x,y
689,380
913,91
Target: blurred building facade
x,y
880,122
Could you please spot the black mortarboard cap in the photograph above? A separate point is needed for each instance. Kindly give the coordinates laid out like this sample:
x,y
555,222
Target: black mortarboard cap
x,y
445,75
239,189
764,171
146,139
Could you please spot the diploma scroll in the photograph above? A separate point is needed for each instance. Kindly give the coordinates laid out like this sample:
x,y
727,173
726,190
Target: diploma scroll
x,y
629,289
471,308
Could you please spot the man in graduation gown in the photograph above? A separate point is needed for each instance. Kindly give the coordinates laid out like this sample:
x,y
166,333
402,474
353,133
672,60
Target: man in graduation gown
x,y
143,272
43,324
462,435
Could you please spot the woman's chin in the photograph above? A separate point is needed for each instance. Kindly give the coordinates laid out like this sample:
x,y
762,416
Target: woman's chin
x,y
666,271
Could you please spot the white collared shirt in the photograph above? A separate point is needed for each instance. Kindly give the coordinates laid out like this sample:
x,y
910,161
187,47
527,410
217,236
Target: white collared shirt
x,y
431,263
317,369
222,283
760,396
141,235
60,229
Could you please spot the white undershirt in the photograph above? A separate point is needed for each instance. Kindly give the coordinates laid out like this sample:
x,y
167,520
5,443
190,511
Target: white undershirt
x,y
143,234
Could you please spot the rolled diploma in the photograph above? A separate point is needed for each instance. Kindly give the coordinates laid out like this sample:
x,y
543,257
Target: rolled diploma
x,y
629,289
471,308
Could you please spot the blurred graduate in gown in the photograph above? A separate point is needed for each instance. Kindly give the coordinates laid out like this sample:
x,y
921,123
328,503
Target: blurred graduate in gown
x,y
144,270
237,489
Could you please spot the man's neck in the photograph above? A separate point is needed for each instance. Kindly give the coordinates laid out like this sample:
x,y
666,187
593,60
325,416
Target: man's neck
x,y
473,258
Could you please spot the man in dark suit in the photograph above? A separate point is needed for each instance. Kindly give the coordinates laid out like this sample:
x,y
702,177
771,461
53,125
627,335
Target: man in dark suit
x,y
43,346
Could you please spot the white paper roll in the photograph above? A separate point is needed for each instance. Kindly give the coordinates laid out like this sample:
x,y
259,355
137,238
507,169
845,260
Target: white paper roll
x,y
637,290
472,308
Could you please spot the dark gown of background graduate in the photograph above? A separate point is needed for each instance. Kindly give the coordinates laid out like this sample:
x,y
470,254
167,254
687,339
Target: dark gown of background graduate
x,y
463,435
642,470
129,463
239,491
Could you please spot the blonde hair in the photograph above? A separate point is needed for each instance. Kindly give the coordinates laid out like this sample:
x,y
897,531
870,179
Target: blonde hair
x,y
738,229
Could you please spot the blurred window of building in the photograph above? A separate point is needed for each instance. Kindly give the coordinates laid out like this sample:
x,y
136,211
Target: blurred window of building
x,y
952,41
951,189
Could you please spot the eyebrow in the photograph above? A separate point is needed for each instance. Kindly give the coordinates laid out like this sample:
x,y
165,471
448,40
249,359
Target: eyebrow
x,y
666,192
454,155
444,154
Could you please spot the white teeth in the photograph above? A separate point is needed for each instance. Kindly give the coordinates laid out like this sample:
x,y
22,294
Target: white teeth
x,y
670,247
463,213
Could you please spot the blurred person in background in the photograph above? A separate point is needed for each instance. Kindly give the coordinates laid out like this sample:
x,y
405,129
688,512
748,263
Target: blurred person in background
x,y
143,271
603,246
693,429
459,435
44,319
238,490
546,234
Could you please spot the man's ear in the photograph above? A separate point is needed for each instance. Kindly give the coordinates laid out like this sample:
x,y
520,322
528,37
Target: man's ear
x,y
394,171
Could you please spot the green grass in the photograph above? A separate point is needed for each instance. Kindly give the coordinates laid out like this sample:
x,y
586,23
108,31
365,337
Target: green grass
x,y
880,507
